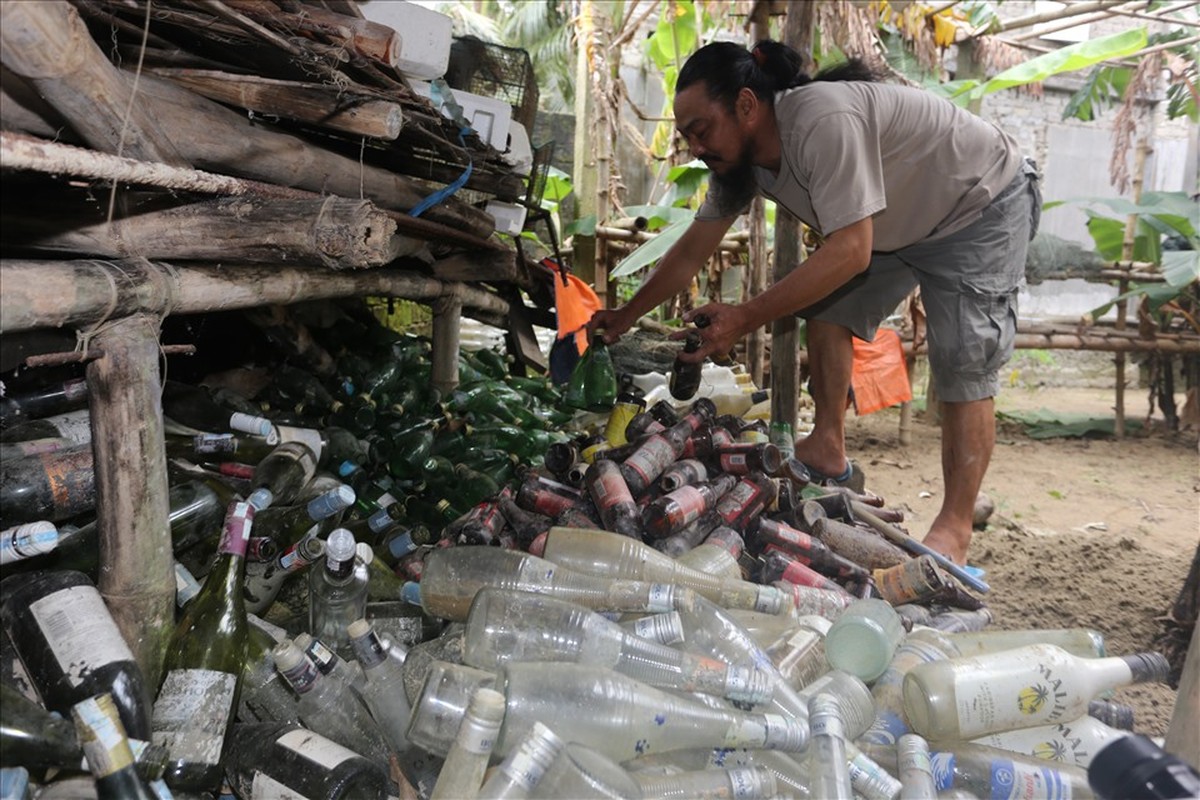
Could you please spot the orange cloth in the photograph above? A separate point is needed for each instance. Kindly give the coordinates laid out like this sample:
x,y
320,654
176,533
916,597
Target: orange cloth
x,y
879,378
574,304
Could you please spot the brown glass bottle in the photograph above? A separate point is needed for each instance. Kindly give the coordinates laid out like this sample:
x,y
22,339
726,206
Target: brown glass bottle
x,y
741,459
618,510
676,510
685,376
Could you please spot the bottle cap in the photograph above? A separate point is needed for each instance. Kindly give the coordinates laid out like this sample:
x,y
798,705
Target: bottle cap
x,y
340,545
331,502
401,545
410,593
358,629
364,553
261,498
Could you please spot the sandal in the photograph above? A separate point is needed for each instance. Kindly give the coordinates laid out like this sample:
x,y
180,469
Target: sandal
x,y
853,478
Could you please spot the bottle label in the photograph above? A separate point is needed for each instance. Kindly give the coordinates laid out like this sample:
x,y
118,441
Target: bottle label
x,y
236,533
316,749
651,459
525,770
745,783
324,658
294,558
75,426
1026,697
79,631
1009,780
739,498
734,463
330,503
380,521
913,581
477,737
869,779
307,436
661,598
233,469
214,443
264,787
192,713
609,490
688,503
104,745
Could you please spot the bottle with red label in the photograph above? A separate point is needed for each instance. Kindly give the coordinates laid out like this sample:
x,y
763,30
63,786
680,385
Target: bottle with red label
x,y
676,510
685,472
654,455
544,495
745,501
806,549
613,499
741,459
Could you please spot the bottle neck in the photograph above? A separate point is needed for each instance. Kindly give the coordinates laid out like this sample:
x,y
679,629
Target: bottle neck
x,y
370,650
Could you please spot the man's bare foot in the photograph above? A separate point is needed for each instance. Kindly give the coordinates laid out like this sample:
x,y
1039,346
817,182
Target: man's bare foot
x,y
824,456
950,543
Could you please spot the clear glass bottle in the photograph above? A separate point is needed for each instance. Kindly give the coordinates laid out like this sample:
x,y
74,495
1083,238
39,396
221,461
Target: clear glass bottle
x,y
582,773
462,773
265,695
1082,642
831,776
801,657
453,576
518,626
919,647
863,640
915,766
106,747
965,698
988,772
264,579
608,555
1075,742
520,773
29,540
337,593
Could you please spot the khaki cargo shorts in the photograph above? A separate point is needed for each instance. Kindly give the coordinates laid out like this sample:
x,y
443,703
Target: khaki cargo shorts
x,y
969,283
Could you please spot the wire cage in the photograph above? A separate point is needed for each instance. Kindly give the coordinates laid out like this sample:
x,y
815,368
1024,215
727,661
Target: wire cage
x,y
493,70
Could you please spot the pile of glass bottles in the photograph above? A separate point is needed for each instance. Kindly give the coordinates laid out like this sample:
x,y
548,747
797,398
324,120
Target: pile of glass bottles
x,y
384,592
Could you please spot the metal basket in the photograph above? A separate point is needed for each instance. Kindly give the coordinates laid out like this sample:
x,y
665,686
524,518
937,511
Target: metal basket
x,y
493,70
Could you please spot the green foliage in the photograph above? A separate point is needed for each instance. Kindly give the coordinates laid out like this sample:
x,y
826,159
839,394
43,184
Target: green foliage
x,y
658,216
686,181
652,250
1103,86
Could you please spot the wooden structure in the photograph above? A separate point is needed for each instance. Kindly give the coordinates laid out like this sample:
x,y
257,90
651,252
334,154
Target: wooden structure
x,y
214,156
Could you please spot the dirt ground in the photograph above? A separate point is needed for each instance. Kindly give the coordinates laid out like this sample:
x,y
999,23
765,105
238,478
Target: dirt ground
x,y
1096,533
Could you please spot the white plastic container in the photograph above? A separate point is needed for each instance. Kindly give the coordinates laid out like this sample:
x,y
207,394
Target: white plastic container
x,y
510,217
425,35
489,117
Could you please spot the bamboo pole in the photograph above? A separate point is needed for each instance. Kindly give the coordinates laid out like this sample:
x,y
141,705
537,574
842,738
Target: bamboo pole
x,y
137,581
589,45
447,323
727,245
756,345
1139,169
1062,13
49,45
334,232
314,103
53,294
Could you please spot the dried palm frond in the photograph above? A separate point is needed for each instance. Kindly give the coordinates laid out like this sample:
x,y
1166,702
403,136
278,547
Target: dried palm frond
x,y
1125,123
853,28
997,55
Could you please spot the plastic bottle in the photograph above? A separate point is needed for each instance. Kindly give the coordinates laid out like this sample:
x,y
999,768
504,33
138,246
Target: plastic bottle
x,y
988,772
915,765
831,778
520,773
580,772
462,773
717,555
863,640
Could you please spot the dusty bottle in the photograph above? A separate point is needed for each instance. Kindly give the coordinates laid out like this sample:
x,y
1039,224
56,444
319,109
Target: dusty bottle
x,y
605,554
776,565
203,666
543,495
685,472
685,376
811,600
745,501
1075,742
71,647
73,426
665,628
654,454
831,777
676,510
345,673
742,459
107,750
1116,715
1032,685
337,594
617,715
988,772
613,500
559,458
48,486
747,782
520,773
717,555
915,765
194,407
289,524
285,471
807,550
29,540
328,707
43,402
265,579
453,576
891,722
1081,642
265,695
525,525
518,626
579,771
32,737
863,640
462,773
801,656
283,759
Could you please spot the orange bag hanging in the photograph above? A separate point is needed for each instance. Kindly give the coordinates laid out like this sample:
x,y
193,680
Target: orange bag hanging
x,y
574,303
879,377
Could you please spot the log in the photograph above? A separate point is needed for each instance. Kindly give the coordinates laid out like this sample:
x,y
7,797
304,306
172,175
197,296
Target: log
x,y
447,323
49,45
51,294
334,232
137,582
370,40
313,103
727,245
22,110
492,266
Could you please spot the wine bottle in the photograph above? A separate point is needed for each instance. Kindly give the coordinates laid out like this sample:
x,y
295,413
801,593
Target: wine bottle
x,y
46,401
70,646
337,594
287,525
192,406
10,451
462,773
964,698
265,579
75,427
284,472
49,486
29,540
203,666
685,375
106,747
32,737
331,445
286,760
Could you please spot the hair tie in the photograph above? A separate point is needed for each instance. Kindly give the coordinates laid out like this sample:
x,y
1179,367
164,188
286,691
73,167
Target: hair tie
x,y
760,57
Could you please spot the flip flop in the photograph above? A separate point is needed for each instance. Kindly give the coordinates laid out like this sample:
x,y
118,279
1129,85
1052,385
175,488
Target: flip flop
x,y
853,478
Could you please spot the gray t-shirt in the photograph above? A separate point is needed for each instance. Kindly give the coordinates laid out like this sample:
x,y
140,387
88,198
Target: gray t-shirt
x,y
921,167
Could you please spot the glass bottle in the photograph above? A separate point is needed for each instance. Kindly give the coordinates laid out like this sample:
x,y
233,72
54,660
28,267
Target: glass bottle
x,y
265,579
192,406
613,500
337,594
684,472
677,509
335,669
328,707
774,565
106,747
609,555
657,452
581,772
831,777
10,451
525,525
1082,642
664,628
29,540
685,376
73,426
287,525
520,773
807,550
543,495
863,639
48,486
203,666
45,401
961,621
32,737
745,501
631,401
1040,684
801,656
508,626
742,459
988,772
1116,715
915,766
286,760
453,576
265,696
747,782
285,471
462,773
70,646
1075,742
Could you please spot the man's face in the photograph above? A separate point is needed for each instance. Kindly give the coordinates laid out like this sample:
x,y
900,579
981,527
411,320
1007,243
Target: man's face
x,y
713,134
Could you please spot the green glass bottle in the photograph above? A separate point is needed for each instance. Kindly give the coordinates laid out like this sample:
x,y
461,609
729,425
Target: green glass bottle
x,y
203,667
32,737
410,452
472,486
593,382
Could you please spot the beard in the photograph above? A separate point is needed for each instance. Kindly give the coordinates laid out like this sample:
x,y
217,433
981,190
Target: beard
x,y
738,180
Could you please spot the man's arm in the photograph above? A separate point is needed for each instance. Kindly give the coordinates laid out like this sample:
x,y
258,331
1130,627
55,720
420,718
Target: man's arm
x,y
674,272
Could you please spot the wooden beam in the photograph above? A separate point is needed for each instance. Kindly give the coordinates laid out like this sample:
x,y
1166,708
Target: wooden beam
x,y
493,266
53,294
1063,13
137,581
49,45
447,323
756,344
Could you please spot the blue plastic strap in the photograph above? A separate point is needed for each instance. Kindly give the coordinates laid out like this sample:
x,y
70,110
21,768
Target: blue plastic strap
x,y
443,98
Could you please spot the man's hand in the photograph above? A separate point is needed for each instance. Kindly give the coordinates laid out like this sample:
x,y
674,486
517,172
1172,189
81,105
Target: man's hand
x,y
613,322
726,325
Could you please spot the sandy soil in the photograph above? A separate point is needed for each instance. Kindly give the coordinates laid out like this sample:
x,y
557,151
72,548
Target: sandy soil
x,y
1095,533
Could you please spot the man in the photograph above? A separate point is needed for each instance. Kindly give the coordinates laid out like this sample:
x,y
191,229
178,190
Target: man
x,y
907,190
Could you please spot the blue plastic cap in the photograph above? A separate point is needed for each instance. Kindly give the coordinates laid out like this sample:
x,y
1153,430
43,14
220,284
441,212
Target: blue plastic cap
x,y
410,593
402,545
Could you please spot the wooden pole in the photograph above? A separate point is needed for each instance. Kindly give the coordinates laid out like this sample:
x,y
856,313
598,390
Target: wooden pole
x,y
447,322
1139,170
789,252
53,294
585,178
334,232
50,46
756,346
728,244
137,581
1183,732
1057,14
